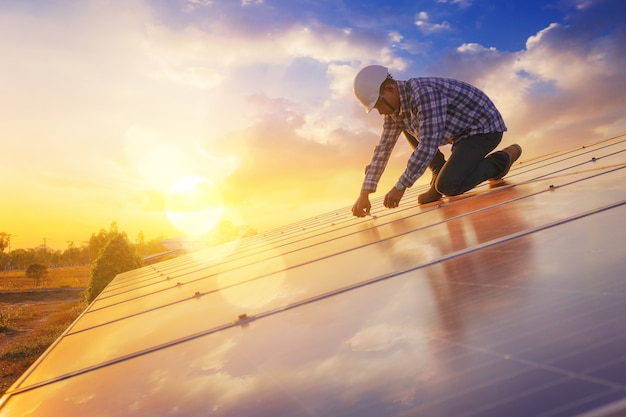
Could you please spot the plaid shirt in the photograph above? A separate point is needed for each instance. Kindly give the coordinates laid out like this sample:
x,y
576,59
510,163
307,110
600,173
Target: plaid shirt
x,y
437,111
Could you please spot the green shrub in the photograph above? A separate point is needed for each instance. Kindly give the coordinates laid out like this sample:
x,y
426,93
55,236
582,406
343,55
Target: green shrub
x,y
117,256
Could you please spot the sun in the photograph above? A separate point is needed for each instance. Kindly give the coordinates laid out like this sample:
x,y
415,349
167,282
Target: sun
x,y
194,205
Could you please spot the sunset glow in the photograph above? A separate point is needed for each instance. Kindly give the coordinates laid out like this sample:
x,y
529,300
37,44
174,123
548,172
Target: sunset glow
x,y
105,105
194,205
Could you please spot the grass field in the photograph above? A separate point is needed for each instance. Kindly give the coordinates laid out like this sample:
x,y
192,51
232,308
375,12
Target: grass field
x,y
31,318
68,277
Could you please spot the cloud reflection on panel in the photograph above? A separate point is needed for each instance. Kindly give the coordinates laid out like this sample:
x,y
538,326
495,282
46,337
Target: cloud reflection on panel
x,y
194,205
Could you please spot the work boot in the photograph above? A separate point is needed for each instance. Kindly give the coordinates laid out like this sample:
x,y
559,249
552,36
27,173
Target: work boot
x,y
432,194
513,151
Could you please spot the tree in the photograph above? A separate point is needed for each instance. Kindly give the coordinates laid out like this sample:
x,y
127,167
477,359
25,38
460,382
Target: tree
x,y
67,255
23,257
97,242
155,246
118,255
36,272
140,244
5,240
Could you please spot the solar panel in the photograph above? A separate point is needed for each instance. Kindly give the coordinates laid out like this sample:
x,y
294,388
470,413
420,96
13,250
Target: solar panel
x,y
506,301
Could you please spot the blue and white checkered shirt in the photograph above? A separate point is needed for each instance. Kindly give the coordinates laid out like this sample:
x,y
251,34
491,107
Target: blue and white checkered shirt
x,y
437,111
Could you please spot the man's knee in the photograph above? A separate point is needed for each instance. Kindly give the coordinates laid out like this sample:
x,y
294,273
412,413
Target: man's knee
x,y
448,188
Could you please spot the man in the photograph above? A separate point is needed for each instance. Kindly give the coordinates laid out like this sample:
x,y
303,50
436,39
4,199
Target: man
x,y
436,111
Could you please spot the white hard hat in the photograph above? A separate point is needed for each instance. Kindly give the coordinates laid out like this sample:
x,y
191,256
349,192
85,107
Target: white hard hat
x,y
367,85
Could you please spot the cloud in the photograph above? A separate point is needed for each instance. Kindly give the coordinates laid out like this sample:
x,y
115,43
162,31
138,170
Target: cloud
x,y
564,89
462,3
259,97
583,64
148,99
275,156
195,4
423,23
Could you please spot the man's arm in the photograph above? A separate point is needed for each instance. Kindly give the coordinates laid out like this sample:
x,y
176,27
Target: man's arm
x,y
431,107
382,153
362,206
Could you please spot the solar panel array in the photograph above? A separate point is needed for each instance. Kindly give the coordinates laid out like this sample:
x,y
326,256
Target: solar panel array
x,y
506,301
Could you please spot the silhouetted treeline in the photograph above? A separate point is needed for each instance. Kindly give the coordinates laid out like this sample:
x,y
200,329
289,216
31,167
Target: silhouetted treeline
x,y
85,252
82,254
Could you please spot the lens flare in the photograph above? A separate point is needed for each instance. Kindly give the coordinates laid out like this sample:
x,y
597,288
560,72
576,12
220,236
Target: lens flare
x,y
194,205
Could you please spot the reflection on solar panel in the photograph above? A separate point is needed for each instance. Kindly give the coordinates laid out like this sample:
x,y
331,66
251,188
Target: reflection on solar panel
x,y
507,301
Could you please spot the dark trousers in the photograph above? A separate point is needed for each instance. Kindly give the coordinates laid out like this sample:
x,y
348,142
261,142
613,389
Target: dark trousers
x,y
469,164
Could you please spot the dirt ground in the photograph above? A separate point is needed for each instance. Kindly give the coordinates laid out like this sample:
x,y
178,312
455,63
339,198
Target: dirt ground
x,y
31,319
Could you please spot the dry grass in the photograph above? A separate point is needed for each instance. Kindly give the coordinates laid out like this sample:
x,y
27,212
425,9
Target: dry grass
x,y
70,277
33,318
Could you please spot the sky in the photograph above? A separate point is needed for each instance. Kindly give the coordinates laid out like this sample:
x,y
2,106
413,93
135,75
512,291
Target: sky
x,y
242,110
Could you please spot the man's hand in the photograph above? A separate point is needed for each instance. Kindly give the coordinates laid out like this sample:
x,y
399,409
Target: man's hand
x,y
362,206
393,197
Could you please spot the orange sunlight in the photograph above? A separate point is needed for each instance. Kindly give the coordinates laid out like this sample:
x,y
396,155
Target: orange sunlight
x,y
194,205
